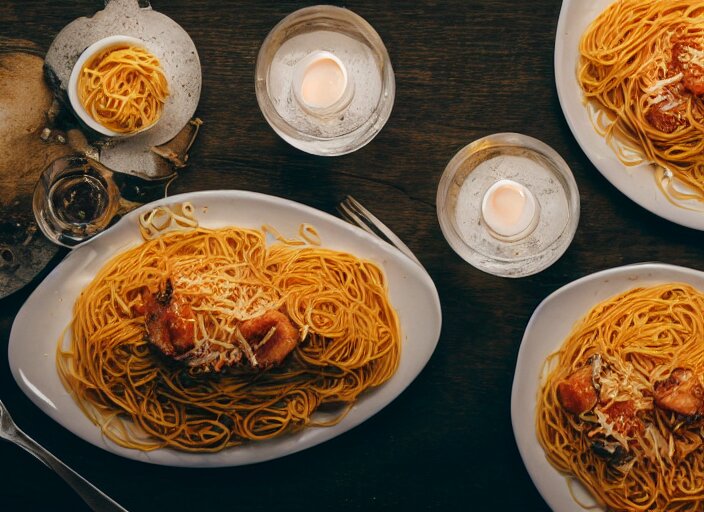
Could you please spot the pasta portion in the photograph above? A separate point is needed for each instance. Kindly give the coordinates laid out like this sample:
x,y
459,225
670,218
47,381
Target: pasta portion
x,y
123,88
621,407
642,72
206,399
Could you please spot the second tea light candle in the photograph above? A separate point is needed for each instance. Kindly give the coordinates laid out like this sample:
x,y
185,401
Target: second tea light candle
x,y
321,82
508,204
509,210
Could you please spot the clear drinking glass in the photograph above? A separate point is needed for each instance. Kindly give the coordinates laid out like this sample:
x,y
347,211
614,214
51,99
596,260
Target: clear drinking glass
x,y
77,197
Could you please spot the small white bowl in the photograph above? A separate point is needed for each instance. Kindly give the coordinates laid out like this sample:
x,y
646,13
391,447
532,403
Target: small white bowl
x,y
75,101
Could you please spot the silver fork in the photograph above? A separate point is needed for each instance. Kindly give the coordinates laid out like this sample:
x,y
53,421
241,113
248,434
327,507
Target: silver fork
x,y
95,498
354,213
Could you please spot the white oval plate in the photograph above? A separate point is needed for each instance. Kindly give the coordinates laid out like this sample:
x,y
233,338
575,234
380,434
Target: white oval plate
x,y
637,183
548,327
42,319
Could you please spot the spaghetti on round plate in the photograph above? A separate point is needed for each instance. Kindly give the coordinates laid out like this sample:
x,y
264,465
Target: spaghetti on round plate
x,y
642,73
621,405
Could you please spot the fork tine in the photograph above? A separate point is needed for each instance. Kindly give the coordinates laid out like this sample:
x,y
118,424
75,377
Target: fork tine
x,y
353,209
353,218
347,215
357,217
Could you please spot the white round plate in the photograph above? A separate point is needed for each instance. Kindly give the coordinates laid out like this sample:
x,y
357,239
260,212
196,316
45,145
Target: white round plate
x,y
42,319
637,183
547,329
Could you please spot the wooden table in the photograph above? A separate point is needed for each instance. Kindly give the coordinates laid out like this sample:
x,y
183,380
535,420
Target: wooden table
x,y
464,69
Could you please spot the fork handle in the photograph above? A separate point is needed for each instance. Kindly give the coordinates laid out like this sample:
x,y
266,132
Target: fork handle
x,y
94,497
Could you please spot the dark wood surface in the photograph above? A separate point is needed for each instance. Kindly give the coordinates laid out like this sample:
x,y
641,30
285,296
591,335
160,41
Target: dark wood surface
x,y
464,69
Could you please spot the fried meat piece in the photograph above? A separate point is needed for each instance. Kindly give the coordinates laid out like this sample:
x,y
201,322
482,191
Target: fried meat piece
x,y
169,320
272,337
577,393
667,121
686,59
624,419
669,113
681,392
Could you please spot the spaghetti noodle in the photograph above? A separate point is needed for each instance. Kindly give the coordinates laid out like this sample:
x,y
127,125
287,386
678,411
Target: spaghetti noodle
x,y
142,400
123,88
642,71
621,405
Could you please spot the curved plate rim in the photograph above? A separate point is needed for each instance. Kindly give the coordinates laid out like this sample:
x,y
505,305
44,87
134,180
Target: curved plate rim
x,y
637,183
245,209
562,313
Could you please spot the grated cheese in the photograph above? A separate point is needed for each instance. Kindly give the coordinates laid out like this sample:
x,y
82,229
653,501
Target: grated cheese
x,y
692,56
607,428
664,82
224,295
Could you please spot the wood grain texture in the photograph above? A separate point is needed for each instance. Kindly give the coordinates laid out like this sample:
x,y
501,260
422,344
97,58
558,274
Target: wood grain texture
x,y
464,69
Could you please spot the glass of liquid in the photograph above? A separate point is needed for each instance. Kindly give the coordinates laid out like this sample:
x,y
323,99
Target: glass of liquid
x,y
77,197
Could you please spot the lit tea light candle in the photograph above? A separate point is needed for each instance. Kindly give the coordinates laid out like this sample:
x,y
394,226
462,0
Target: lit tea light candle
x,y
509,210
321,83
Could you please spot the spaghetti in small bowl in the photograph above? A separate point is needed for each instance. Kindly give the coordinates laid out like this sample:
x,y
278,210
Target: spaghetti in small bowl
x,y
118,87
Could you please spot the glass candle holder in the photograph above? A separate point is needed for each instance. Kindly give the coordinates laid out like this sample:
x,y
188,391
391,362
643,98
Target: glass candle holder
x,y
324,81
508,204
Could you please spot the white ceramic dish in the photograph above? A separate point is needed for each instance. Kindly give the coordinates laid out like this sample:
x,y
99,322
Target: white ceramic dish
x,y
637,183
550,324
72,90
39,324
